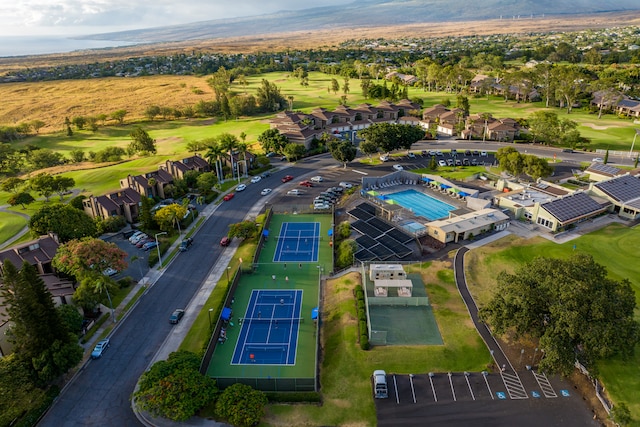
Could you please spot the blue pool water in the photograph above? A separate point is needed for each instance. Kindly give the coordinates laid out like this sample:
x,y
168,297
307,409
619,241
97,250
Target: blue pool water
x,y
421,204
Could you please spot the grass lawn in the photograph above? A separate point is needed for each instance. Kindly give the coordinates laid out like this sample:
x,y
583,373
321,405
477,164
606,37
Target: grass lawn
x,y
10,225
346,369
611,247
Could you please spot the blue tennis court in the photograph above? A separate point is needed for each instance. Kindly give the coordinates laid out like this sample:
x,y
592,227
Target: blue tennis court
x,y
269,329
298,242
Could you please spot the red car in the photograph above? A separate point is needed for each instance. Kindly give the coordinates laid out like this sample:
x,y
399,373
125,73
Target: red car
x,y
225,241
287,178
306,184
228,197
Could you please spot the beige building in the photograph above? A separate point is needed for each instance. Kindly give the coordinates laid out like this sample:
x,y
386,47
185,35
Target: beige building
x,y
386,272
467,226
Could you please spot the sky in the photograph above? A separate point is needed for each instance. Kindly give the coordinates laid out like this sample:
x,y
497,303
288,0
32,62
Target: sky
x,y
77,17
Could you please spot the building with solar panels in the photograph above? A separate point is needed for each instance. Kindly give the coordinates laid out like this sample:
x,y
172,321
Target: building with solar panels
x,y
551,206
623,192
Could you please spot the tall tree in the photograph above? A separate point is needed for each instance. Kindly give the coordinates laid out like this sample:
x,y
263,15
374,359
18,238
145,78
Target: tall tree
x,y
64,220
571,306
272,140
80,257
12,184
62,184
40,338
170,216
342,151
141,141
21,199
43,184
119,116
269,97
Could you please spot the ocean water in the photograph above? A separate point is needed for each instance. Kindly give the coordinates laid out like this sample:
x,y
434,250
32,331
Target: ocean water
x,y
39,45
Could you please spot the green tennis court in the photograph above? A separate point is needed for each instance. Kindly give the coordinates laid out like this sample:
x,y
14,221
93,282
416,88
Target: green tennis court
x,y
286,277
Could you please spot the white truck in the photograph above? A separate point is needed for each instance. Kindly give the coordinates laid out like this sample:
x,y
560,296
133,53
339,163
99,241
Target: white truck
x,y
380,390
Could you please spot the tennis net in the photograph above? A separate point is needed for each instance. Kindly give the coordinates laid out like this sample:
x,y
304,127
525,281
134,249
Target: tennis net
x,y
271,320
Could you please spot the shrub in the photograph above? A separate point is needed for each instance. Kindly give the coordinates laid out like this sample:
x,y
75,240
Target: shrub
x,y
241,405
364,342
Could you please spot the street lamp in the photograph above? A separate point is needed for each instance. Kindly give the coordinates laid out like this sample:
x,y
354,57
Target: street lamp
x,y
158,246
228,281
210,310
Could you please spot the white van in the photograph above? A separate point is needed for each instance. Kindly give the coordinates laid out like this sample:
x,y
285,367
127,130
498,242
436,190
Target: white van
x,y
380,390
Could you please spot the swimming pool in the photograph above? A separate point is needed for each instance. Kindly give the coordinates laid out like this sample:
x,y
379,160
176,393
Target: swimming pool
x,y
421,204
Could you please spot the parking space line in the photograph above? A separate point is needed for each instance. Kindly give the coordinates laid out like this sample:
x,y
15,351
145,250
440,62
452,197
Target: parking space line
x,y
545,385
466,377
484,374
395,385
433,389
453,392
413,391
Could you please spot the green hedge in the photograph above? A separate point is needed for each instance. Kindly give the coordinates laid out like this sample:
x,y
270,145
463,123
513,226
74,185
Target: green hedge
x,y
32,417
362,317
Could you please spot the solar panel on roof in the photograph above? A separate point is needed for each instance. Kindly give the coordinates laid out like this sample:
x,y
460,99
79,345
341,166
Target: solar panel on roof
x,y
366,241
360,214
365,255
622,189
364,228
606,169
572,207
381,251
400,236
367,207
398,248
379,224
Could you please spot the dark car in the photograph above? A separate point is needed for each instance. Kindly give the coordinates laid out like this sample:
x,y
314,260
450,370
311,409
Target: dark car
x,y
186,244
176,316
567,150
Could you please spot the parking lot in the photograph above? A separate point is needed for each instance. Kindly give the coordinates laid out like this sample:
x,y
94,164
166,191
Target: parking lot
x,y
459,398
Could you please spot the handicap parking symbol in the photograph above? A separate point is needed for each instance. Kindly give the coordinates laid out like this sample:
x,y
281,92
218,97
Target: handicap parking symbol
x,y
565,393
535,394
501,395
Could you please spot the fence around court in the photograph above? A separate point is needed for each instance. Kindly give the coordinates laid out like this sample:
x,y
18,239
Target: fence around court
x,y
270,384
399,301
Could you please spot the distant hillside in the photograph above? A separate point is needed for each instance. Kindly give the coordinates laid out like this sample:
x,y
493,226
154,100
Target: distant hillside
x,y
371,13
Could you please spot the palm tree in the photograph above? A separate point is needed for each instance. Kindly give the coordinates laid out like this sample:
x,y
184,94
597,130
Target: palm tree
x,y
228,143
213,156
102,285
242,148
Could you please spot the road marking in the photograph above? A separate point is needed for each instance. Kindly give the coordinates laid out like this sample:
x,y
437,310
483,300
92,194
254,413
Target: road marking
x,y
435,397
545,385
360,172
453,392
501,395
466,376
565,393
535,394
485,374
413,391
395,385
514,386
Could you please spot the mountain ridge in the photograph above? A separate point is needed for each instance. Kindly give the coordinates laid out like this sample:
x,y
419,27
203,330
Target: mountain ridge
x,y
369,13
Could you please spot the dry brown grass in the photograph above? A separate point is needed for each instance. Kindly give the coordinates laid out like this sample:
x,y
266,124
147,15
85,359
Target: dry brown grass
x,y
51,102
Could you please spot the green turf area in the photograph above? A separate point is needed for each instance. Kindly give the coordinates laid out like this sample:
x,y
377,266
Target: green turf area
x,y
10,225
290,275
614,247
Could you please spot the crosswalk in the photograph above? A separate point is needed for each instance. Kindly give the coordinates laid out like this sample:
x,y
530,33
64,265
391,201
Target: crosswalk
x,y
514,386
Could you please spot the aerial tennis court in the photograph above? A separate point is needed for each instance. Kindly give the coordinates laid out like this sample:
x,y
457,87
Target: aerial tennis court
x,y
269,332
298,242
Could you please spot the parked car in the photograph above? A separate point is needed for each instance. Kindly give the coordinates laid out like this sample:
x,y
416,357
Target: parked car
x,y
345,184
175,317
466,162
458,162
432,153
256,179
134,235
597,160
265,174
567,150
306,183
100,348
483,154
241,187
439,153
398,167
467,152
228,197
287,178
337,189
110,272
476,153
137,238
316,178
271,154
225,241
380,389
384,158
442,163
321,207
186,244
449,162
266,191
453,152
144,241
294,192
411,155
474,162
149,245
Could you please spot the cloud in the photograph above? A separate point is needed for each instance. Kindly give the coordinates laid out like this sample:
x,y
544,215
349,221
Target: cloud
x,y
74,16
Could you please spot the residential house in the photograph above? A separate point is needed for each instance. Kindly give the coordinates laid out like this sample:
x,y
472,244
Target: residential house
x,y
177,169
151,184
124,202
406,79
39,253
